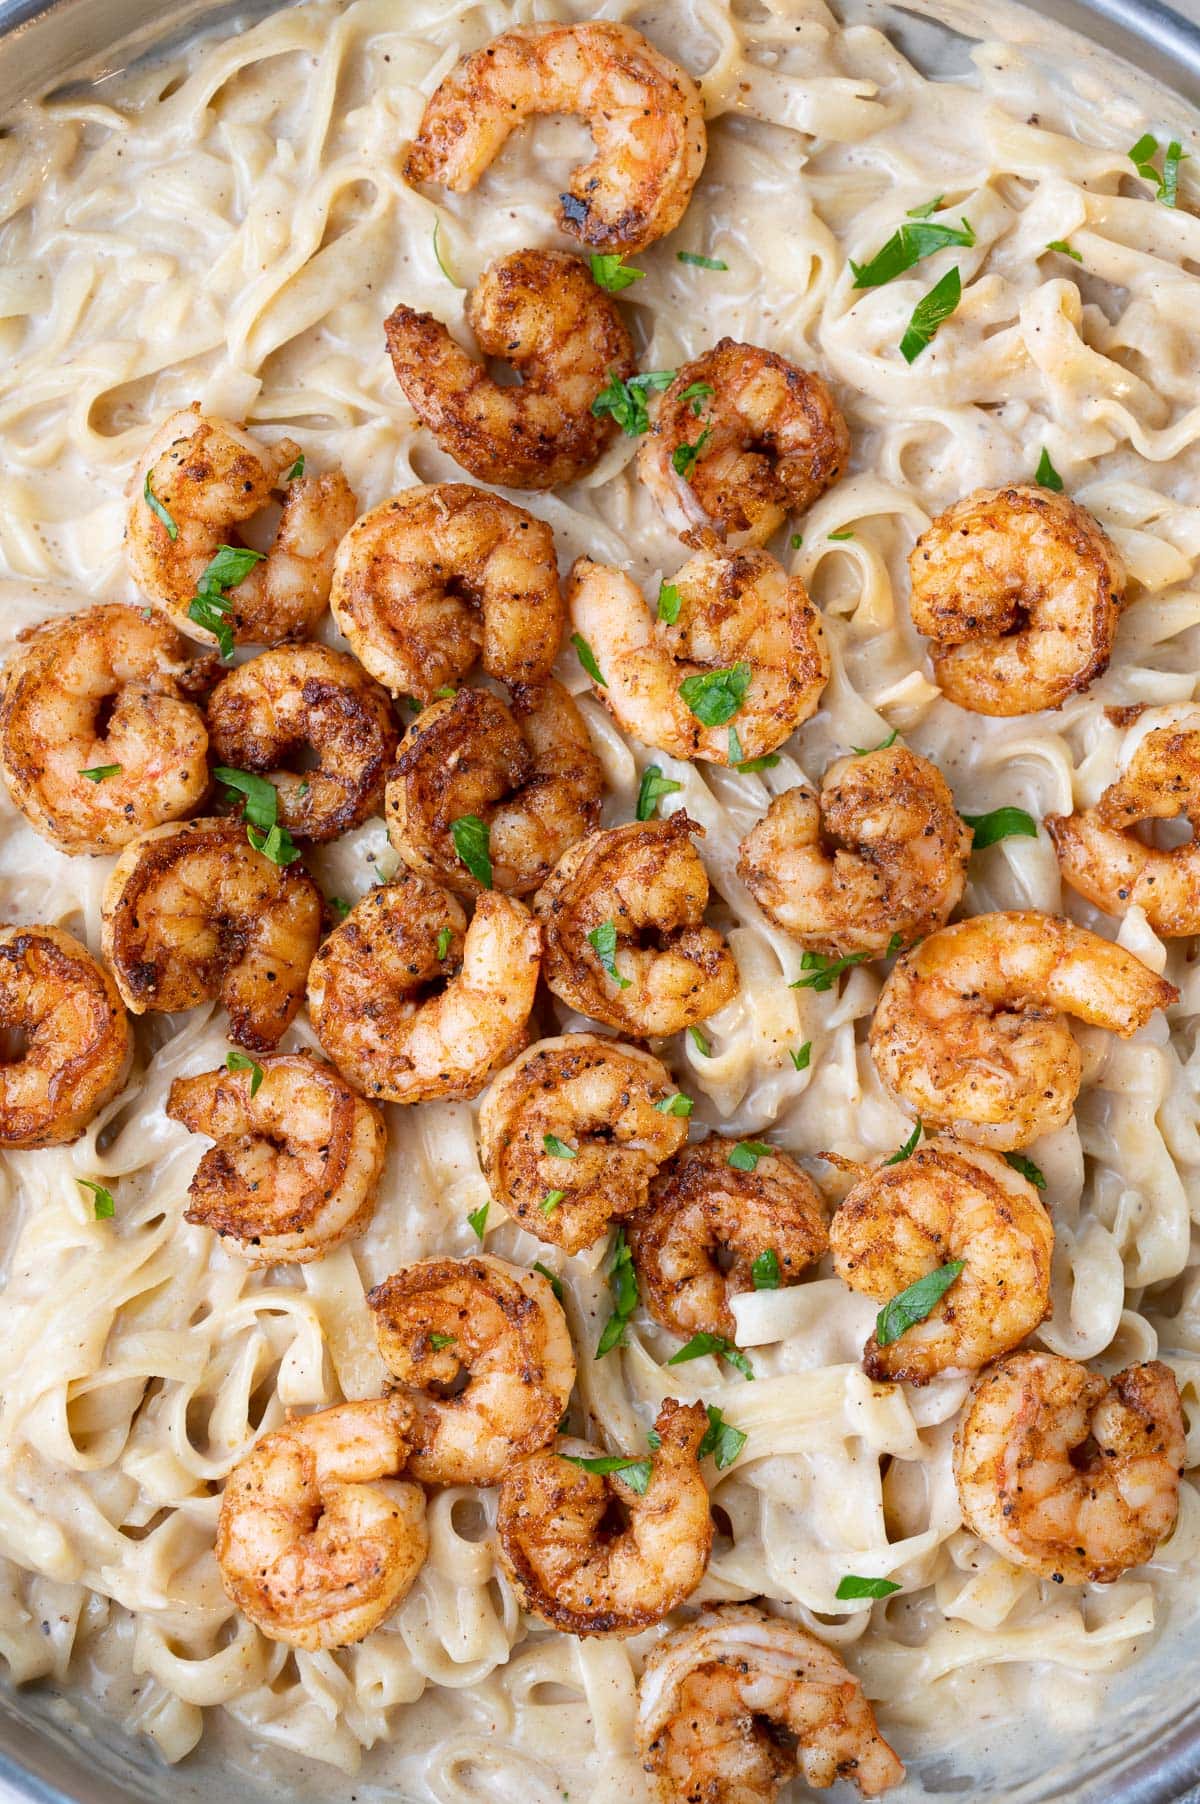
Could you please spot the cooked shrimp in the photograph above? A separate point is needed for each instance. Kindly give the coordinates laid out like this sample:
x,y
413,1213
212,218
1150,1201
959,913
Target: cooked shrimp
x,y
1020,590
544,315
880,851
695,1242
192,911
645,114
411,1004
1066,1472
768,439
586,1578
63,1009
736,671
944,1203
606,1105
528,770
297,1160
209,476
308,699
439,577
610,892
316,1541
1102,857
970,1029
497,1327
100,736
734,1705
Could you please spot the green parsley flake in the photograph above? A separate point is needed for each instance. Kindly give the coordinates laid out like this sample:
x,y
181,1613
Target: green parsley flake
x,y
907,246
623,1285
702,1345
99,772
603,941
241,1061
915,1303
1047,475
746,1154
802,1058
699,262
715,696
156,507
652,789
930,314
587,658
852,1586
1032,1173
104,1208
625,400
909,1147
478,1220
765,1270
472,839
1001,823
558,1149
610,271
668,603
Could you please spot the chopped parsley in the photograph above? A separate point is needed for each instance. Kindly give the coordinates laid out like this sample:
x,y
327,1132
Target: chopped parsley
x,y
558,1149
99,772
909,1148
241,1061
930,314
907,246
1047,475
1001,823
623,1286
440,1341
625,399
550,1201
209,606
296,471
603,941
668,603
702,1345
1060,244
551,1278
765,1270
699,1042
721,1439
104,1208
1033,1174
260,813
652,789
636,1472
445,935
156,507
610,271
587,658
478,1220
685,457
863,751
472,839
715,696
746,1154
699,262
915,1303
679,1104
1166,185
852,1586
802,1057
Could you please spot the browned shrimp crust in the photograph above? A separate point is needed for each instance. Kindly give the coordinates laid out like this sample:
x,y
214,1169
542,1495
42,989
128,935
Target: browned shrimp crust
x,y
76,1040
444,576
527,769
771,440
705,1224
646,884
307,698
542,313
645,113
1020,590
192,912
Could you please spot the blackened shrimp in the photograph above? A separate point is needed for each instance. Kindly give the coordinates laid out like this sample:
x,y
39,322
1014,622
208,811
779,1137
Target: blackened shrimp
x,y
63,1009
441,577
306,701
544,315
625,937
527,770
741,439
645,114
192,912
101,736
297,1157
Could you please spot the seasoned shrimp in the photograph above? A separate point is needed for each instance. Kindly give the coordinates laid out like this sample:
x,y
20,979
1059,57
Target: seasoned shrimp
x,y
316,1541
768,440
192,911
880,851
209,476
528,770
613,891
63,1008
494,1325
412,1004
439,577
1102,857
645,114
306,698
297,1160
1020,590
582,1120
734,1705
736,670
100,734
542,313
586,1578
970,1028
1066,1472
695,1242
945,1203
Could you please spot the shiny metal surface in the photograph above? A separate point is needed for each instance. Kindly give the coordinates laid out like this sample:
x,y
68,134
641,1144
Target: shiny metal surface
x,y
53,1752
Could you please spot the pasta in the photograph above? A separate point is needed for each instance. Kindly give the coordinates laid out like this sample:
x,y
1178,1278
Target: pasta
x,y
230,226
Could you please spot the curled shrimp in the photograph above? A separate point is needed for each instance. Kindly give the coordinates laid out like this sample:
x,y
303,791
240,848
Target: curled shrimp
x,y
63,1007
411,1004
729,677
585,1578
947,1203
317,1542
1101,856
208,477
1020,590
645,114
625,936
100,733
498,1328
880,851
1068,1473
441,576
706,1223
544,315
297,1157
971,1028
767,439
735,1704
192,911
571,1133
526,769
